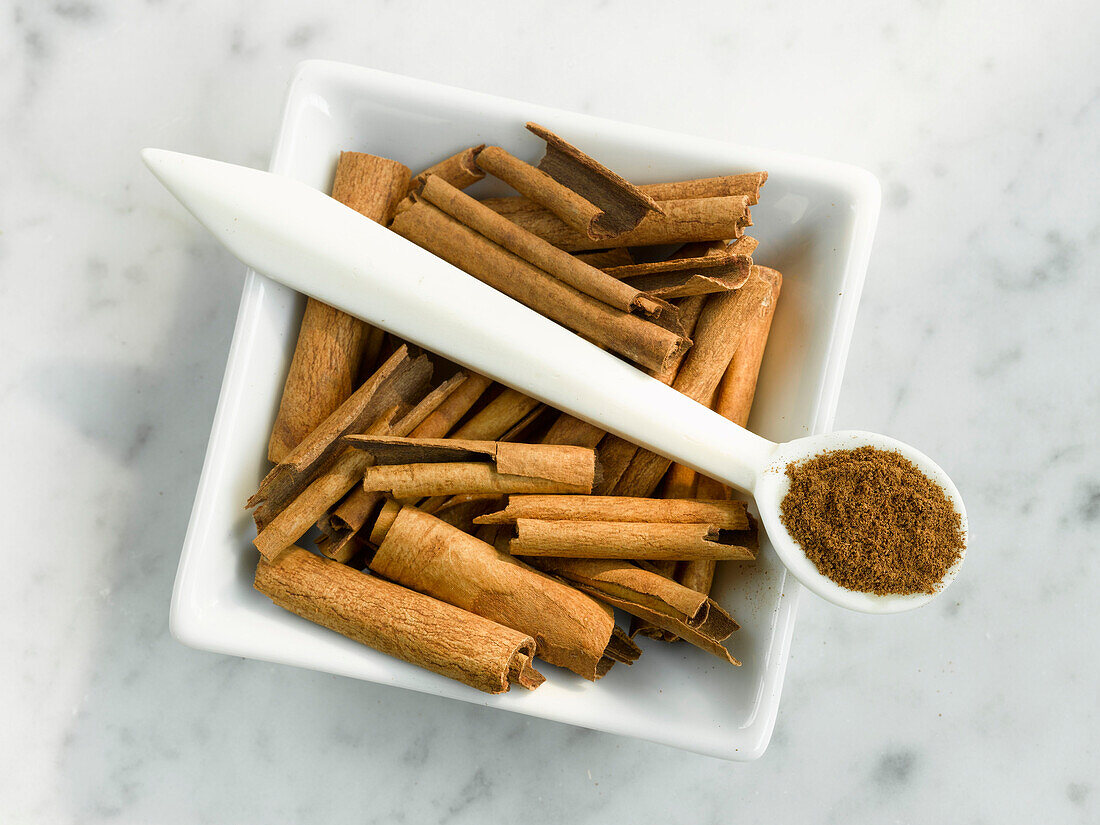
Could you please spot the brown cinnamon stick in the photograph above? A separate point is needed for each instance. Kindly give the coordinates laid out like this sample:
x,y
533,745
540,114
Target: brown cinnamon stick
x,y
572,209
402,623
748,185
571,629
453,466
677,278
722,186
667,604
412,481
572,465
563,266
330,342
635,338
459,170
682,221
726,515
627,540
622,205
399,383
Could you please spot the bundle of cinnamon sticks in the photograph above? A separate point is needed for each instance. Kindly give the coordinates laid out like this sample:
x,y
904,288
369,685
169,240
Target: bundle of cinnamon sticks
x,y
468,529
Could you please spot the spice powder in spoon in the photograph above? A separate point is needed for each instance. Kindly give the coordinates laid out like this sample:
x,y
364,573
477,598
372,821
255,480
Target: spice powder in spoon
x,y
870,520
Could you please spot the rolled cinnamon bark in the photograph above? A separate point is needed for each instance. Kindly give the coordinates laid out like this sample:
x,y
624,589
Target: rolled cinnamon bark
x,y
726,515
339,528
720,271
571,629
723,186
410,481
459,170
748,185
683,221
627,540
635,338
573,465
330,342
572,209
401,623
622,204
399,383
647,595
563,266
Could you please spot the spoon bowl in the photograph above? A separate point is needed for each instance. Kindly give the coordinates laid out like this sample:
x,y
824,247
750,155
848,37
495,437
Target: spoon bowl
x,y
772,486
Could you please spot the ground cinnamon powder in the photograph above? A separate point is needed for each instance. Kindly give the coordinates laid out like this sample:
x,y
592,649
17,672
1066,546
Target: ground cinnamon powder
x,y
872,521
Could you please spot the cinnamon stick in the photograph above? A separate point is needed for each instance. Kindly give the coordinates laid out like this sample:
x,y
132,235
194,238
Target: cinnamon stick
x,y
682,221
330,342
452,465
726,515
571,209
622,205
411,481
338,528
402,623
725,185
627,540
677,278
422,552
572,465
722,186
399,383
630,336
563,266
459,170
647,595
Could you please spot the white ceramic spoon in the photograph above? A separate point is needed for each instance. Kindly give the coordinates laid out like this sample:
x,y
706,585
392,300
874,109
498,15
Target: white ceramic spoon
x,y
316,245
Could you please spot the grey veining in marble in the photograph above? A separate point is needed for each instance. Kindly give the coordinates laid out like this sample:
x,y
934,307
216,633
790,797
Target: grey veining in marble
x,y
977,341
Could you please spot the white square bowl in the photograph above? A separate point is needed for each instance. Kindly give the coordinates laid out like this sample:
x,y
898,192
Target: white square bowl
x,y
815,223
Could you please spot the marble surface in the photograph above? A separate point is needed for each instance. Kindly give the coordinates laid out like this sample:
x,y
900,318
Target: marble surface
x,y
977,341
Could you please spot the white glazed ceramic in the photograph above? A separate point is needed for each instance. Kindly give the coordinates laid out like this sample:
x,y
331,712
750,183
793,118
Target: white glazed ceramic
x,y
815,223
304,239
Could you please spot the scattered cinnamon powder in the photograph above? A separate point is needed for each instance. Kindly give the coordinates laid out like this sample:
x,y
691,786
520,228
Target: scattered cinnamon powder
x,y
872,521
